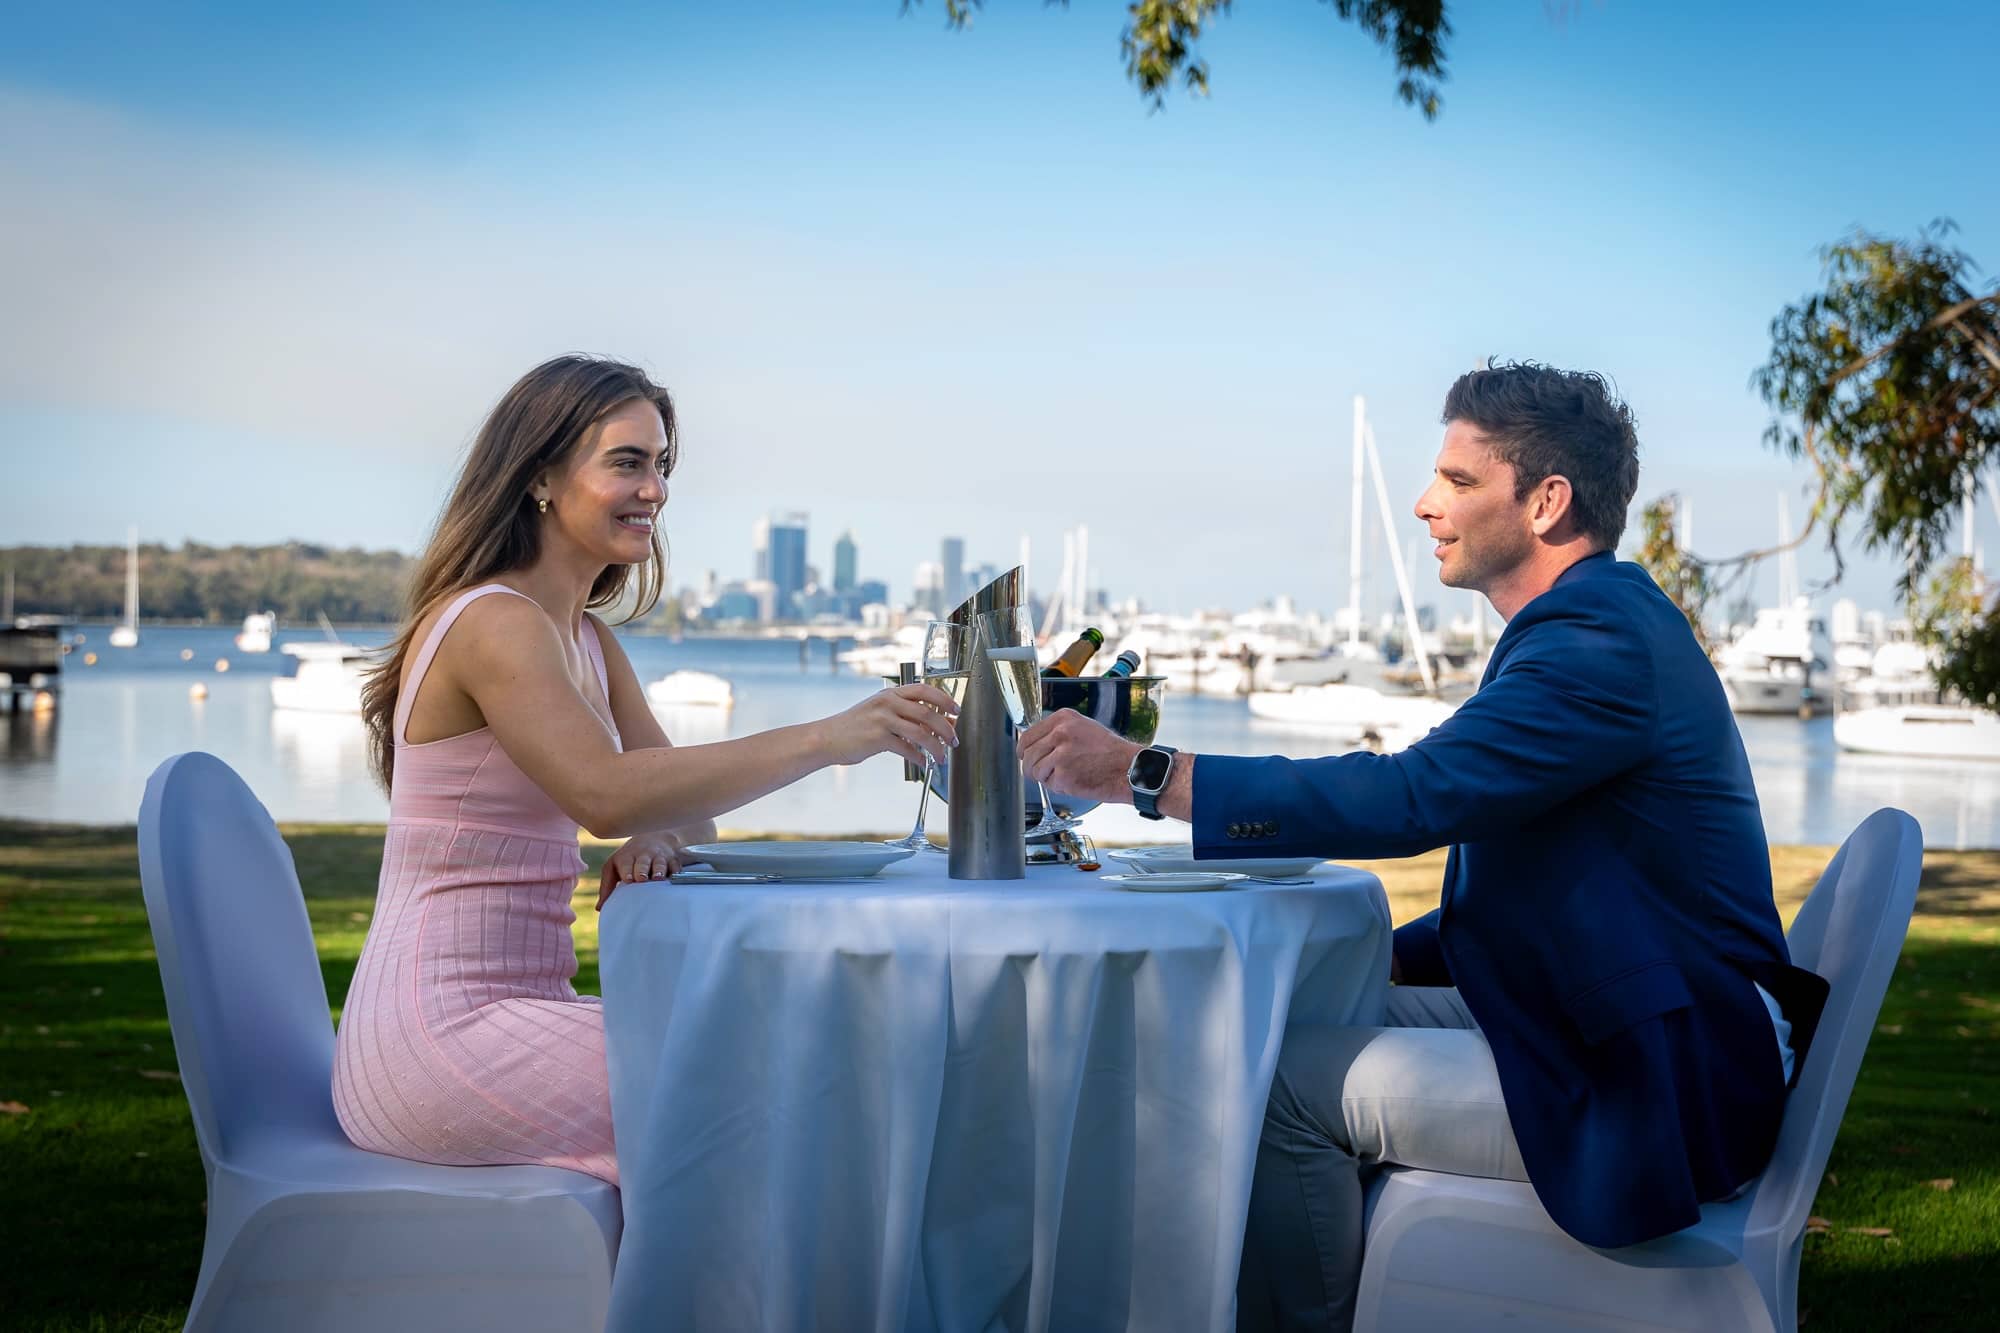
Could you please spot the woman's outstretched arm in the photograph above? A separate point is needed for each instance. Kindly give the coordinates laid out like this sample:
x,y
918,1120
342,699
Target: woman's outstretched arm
x,y
638,728
508,657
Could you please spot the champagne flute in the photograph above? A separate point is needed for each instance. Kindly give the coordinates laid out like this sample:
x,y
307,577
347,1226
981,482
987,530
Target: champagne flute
x,y
1008,638
946,665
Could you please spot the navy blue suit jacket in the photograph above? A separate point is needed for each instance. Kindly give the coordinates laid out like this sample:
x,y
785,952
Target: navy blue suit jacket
x,y
1606,905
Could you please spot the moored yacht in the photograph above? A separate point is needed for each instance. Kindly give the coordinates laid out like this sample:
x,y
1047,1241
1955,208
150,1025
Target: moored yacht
x,y
1921,731
328,678
1354,714
255,636
698,689
883,656
1771,667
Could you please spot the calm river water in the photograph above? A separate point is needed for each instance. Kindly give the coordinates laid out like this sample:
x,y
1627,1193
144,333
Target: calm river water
x,y
88,761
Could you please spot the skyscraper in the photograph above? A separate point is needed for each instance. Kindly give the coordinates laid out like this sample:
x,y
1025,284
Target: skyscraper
x,y
951,560
788,562
760,549
927,592
843,563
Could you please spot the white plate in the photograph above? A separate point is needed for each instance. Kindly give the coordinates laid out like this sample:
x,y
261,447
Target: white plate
x,y
1170,882
805,860
1156,860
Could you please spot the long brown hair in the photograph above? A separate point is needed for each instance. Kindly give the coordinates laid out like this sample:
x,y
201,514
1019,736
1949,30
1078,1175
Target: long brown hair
x,y
491,526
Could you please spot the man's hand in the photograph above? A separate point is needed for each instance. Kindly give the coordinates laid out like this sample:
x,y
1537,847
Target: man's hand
x,y
1069,753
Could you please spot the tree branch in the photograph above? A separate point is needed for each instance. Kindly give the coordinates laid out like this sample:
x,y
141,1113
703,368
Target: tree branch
x,y
1949,315
1984,346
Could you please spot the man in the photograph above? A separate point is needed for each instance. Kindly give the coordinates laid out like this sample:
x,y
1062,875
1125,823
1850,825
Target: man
x,y
1602,1003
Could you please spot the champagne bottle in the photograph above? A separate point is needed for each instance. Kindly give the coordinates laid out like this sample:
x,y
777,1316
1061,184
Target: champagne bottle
x,y
1127,663
1077,655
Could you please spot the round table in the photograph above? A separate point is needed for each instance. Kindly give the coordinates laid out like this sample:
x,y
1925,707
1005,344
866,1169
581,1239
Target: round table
x,y
912,1103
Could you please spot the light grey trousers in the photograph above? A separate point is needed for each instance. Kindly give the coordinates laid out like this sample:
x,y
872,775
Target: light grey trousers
x,y
1420,1091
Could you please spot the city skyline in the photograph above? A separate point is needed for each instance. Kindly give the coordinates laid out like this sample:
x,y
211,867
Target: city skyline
x,y
271,267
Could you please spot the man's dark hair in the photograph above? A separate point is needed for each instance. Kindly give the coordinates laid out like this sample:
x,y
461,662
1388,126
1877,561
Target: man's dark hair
x,y
1545,422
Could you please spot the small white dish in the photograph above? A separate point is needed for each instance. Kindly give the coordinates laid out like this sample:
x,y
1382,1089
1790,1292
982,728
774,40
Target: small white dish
x,y
1180,859
797,860
1174,882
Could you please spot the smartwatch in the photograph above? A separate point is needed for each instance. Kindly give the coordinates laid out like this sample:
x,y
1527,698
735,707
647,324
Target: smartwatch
x,y
1147,776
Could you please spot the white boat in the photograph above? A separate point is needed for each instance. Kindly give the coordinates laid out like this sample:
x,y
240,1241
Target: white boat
x,y
328,678
1854,647
1923,731
1771,667
1901,671
882,657
1203,668
1354,714
1289,669
255,636
126,635
697,689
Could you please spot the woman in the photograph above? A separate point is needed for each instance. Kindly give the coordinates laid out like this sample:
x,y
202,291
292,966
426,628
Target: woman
x,y
504,717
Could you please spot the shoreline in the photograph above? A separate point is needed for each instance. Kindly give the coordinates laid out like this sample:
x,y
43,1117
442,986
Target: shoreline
x,y
727,834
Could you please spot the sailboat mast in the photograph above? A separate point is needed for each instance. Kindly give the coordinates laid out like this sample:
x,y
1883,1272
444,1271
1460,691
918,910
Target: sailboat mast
x,y
1788,570
132,577
1080,588
1416,634
1354,528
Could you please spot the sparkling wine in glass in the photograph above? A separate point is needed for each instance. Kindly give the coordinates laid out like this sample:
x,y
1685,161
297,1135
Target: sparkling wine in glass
x,y
946,665
1020,683
1008,636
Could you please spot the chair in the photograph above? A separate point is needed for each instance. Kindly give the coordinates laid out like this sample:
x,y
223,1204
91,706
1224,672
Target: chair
x,y
1449,1252
306,1232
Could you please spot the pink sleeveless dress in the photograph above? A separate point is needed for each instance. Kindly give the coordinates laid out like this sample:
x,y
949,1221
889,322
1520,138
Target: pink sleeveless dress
x,y
462,1040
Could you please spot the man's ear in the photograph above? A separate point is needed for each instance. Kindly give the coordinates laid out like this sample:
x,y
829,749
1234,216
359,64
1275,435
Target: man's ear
x,y
1553,502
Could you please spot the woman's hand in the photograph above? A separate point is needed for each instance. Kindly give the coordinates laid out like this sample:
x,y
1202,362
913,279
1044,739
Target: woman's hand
x,y
648,856
914,722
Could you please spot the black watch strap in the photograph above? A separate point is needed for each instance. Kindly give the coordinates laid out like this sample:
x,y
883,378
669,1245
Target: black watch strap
x,y
1147,803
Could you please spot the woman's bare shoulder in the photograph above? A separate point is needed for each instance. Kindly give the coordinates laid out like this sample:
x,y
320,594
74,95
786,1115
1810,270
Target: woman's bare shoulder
x,y
488,628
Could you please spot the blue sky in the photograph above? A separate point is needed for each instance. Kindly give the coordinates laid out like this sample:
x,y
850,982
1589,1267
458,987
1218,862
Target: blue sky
x,y
266,270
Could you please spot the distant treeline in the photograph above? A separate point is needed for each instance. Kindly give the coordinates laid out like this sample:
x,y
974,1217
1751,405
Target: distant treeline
x,y
218,585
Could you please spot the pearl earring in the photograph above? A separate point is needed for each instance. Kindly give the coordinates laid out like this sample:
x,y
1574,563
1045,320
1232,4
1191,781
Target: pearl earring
x,y
542,505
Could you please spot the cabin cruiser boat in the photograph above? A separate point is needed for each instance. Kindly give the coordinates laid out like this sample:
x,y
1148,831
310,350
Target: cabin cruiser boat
x,y
328,678
255,636
1354,714
1896,708
1923,731
697,689
1771,666
882,657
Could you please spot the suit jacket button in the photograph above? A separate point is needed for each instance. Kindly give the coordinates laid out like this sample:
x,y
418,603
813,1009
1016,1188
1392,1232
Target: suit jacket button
x,y
1272,828
1235,830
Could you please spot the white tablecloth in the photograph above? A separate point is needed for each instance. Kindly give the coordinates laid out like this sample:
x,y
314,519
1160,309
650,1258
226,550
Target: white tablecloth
x,y
922,1104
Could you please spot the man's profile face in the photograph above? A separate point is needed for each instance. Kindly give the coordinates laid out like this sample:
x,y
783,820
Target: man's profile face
x,y
1482,531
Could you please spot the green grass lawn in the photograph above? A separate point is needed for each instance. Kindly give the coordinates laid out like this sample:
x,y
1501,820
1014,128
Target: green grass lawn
x,y
101,1189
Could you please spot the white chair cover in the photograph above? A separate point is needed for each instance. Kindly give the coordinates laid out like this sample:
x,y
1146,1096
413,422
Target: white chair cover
x,y
1446,1253
306,1231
